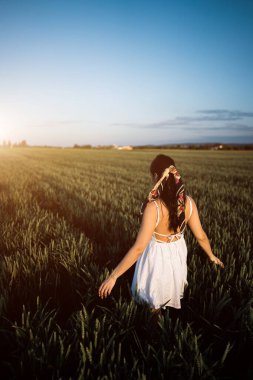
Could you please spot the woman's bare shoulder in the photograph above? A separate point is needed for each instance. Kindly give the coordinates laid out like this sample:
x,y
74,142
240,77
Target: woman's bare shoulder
x,y
150,205
156,202
150,210
190,207
190,199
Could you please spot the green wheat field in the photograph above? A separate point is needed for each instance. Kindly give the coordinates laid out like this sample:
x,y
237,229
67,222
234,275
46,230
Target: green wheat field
x,y
68,216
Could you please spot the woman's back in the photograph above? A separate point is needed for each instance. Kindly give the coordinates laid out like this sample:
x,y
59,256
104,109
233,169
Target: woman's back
x,y
162,233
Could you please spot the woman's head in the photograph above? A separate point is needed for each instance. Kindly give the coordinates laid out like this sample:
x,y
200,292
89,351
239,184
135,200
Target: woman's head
x,y
159,164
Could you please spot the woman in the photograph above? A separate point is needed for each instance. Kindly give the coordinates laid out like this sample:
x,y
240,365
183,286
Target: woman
x,y
160,275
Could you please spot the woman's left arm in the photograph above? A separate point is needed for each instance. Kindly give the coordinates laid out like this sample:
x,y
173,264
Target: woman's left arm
x,y
144,235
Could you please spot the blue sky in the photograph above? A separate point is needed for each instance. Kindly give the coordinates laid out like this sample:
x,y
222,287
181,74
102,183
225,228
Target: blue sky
x,y
126,72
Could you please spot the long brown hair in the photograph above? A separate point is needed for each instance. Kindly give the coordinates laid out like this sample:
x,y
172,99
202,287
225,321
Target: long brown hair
x,y
168,193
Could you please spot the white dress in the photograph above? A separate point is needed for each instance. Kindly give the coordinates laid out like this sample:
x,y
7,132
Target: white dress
x,y
160,275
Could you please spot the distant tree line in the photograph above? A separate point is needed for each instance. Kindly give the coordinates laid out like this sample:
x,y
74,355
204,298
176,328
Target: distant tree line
x,y
198,146
88,146
9,144
85,146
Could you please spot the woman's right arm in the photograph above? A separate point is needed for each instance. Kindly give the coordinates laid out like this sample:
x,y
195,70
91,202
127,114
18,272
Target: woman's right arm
x,y
197,230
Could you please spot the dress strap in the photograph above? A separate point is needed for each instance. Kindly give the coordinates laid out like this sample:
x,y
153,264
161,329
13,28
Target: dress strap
x,y
190,206
157,209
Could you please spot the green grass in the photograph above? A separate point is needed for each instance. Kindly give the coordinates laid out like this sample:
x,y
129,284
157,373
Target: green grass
x,y
68,216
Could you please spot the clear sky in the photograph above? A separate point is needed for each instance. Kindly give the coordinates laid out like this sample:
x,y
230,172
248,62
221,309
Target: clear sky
x,y
126,72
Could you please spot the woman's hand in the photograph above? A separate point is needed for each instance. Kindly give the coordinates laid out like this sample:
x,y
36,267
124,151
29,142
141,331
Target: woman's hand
x,y
217,261
106,287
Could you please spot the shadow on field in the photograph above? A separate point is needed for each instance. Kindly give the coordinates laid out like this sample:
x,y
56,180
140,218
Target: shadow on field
x,y
100,226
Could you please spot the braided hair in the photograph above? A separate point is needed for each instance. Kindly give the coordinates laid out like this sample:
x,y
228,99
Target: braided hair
x,y
170,189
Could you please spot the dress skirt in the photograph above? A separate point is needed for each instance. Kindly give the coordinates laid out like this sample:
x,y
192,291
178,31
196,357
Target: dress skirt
x,y
160,275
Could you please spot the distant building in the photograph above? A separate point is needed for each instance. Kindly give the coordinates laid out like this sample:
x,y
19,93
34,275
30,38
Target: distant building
x,y
217,147
125,147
